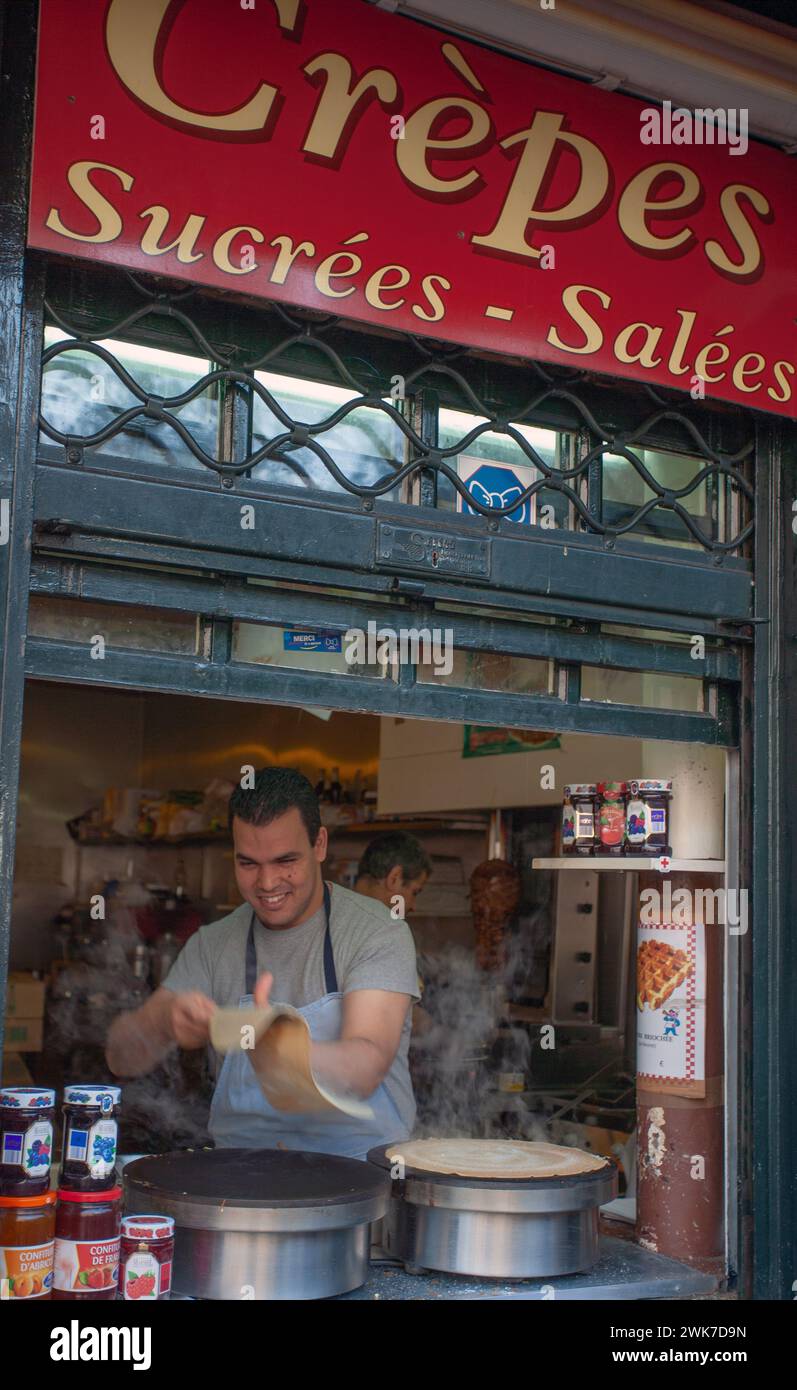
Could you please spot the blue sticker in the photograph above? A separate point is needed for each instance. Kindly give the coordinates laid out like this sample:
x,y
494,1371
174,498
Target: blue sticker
x,y
312,642
495,486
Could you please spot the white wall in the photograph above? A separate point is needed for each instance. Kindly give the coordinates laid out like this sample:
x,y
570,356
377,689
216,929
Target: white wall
x,y
422,769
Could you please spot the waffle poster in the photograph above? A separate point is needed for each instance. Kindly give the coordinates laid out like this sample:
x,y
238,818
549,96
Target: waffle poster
x,y
671,1007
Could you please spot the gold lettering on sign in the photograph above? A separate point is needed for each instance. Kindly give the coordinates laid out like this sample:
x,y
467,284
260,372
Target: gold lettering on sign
x,y
412,153
286,256
352,265
742,371
133,31
644,354
778,371
382,280
740,230
509,233
635,204
712,355
221,250
429,285
593,336
184,243
339,104
110,223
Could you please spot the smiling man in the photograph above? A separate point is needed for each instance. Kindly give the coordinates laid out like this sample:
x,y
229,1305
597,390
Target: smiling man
x,y
339,960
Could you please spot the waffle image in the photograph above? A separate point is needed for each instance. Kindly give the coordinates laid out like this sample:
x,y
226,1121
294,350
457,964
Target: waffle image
x,y
659,971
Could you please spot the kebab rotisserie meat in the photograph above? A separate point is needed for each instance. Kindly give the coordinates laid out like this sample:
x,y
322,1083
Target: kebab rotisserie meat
x,y
494,896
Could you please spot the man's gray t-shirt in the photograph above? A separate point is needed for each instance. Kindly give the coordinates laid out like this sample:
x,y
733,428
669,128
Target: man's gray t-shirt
x,y
371,951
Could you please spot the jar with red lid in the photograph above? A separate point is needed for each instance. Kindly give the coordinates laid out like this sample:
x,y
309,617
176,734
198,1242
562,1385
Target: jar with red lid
x,y
87,1239
26,1140
611,817
27,1231
147,1257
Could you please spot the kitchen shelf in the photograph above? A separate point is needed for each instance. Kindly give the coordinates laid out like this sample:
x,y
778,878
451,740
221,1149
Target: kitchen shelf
x,y
635,862
114,841
438,825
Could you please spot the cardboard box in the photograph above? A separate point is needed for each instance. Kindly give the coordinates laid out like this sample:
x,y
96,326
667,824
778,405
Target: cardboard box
x,y
23,1035
25,998
13,1070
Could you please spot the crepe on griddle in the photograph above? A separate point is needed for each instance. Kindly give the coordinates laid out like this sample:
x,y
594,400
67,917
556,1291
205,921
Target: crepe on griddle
x,y
494,1158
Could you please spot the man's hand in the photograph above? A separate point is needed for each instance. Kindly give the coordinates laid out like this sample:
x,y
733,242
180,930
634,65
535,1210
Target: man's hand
x,y
189,1020
263,990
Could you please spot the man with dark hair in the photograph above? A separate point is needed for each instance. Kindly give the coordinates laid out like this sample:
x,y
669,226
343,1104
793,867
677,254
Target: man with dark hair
x,y
394,865
393,870
341,961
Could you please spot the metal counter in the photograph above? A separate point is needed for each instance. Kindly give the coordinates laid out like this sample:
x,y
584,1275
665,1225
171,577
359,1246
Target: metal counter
x,y
624,1271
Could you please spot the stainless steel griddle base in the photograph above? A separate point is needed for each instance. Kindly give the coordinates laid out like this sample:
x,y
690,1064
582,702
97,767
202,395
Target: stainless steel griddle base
x,y
262,1224
492,1245
495,1229
235,1265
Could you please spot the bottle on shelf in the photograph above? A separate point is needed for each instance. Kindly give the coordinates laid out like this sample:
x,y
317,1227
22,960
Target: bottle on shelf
x,y
335,791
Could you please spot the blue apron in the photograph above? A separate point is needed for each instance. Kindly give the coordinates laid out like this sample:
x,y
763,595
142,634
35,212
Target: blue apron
x,y
242,1118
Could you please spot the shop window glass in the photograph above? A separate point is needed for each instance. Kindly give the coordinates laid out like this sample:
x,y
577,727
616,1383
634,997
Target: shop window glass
x,y
624,491
143,629
366,445
475,670
495,466
318,650
81,395
647,690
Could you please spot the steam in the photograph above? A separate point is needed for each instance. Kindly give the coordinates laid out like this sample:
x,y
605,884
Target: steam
x,y
457,1066
166,1109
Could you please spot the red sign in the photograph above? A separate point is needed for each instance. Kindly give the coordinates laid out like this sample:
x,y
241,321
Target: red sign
x,y
338,157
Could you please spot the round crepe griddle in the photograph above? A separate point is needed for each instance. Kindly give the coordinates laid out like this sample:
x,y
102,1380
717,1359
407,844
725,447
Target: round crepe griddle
x,y
256,1177
493,1160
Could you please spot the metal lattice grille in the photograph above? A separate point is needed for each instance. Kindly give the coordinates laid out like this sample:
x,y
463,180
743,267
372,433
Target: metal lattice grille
x,y
708,503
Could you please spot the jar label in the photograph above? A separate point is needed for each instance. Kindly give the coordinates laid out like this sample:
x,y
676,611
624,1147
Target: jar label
x,y
141,1276
38,1149
86,1266
612,823
636,829
26,1271
31,1151
585,825
96,1147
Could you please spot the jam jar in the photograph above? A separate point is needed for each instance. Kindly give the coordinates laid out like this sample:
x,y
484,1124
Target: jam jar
x,y
27,1232
656,794
635,820
90,1135
611,818
568,823
26,1140
147,1257
584,796
86,1260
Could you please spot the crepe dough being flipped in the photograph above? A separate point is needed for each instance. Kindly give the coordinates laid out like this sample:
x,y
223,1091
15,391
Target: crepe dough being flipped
x,y
277,1043
494,1158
